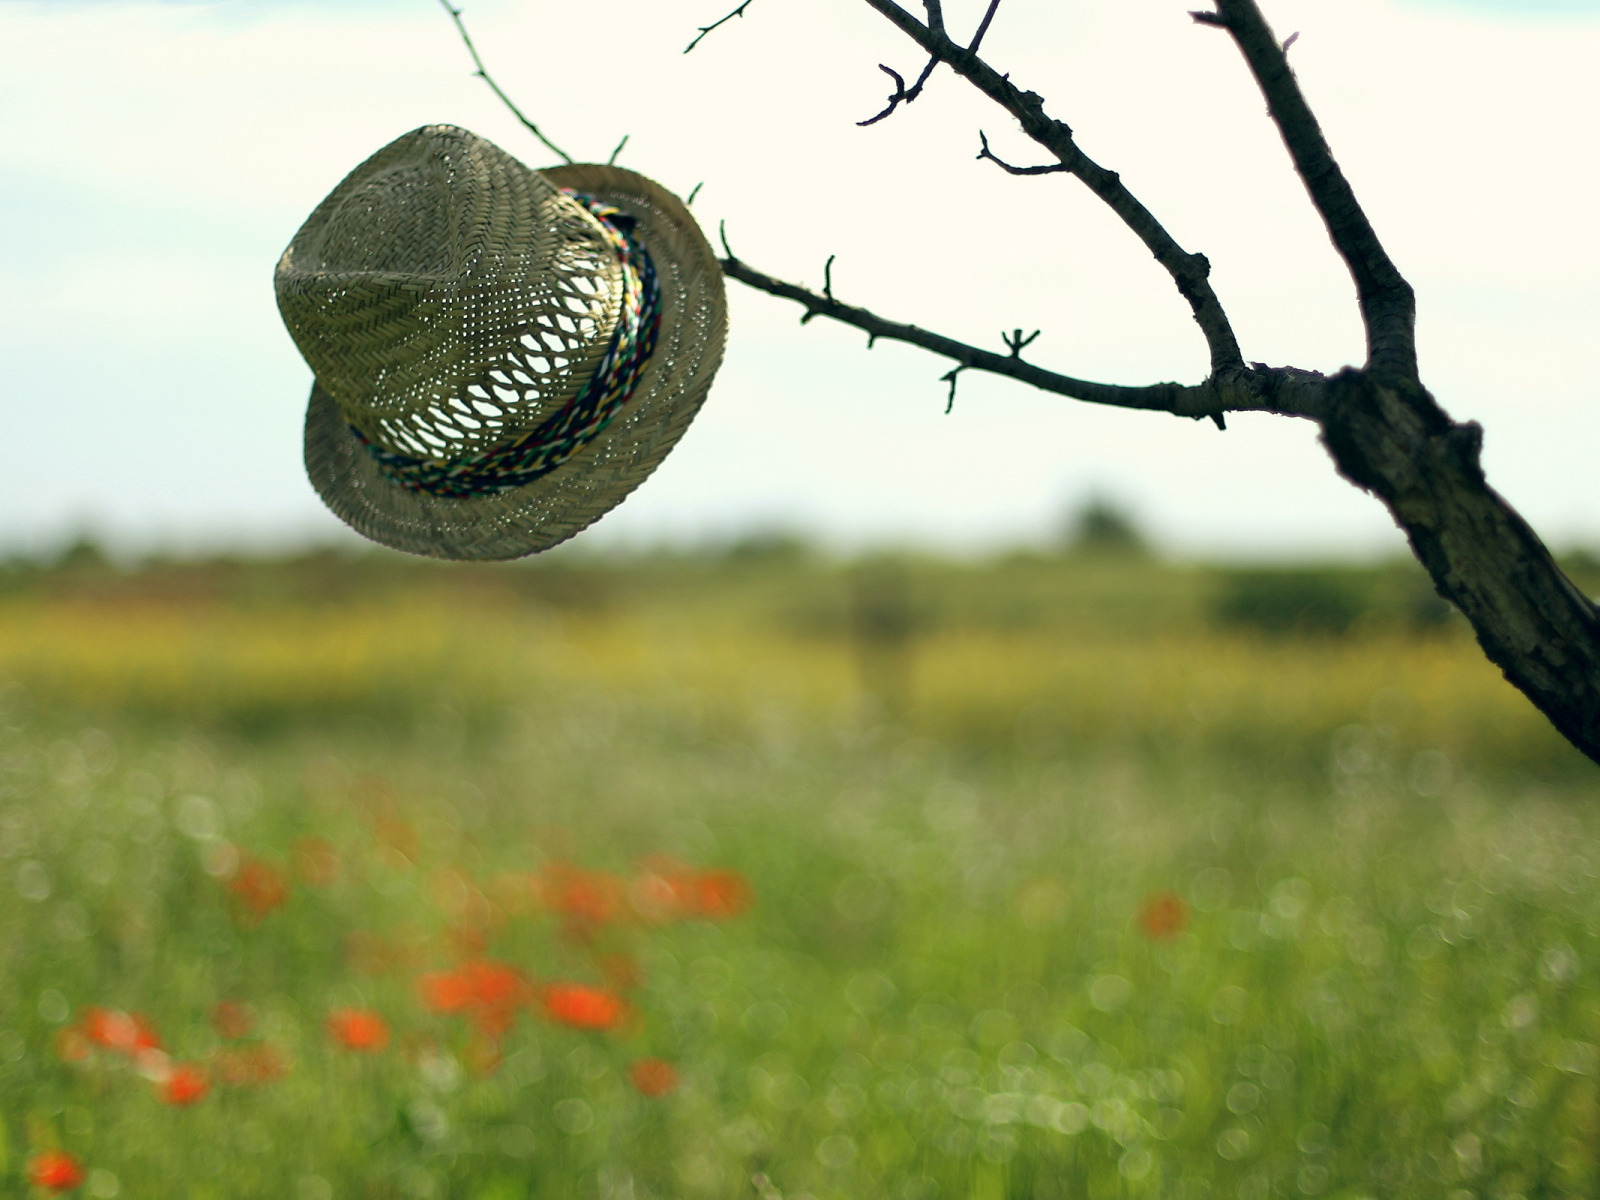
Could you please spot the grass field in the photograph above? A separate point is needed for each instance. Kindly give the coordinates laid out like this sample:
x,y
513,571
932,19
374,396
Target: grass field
x,y
765,877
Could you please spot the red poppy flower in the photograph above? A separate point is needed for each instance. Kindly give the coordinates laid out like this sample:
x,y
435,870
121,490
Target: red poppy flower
x,y
126,1033
585,898
257,887
584,1007
490,991
721,894
1163,915
662,893
55,1171
233,1019
653,1076
358,1029
185,1085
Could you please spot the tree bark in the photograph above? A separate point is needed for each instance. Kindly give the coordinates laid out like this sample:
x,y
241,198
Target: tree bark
x,y
1533,623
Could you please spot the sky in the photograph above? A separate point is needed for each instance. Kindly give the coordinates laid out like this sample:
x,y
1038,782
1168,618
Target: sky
x,y
157,155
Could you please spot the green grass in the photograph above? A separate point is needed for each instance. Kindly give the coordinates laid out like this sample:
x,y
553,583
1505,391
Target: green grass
x,y
1386,987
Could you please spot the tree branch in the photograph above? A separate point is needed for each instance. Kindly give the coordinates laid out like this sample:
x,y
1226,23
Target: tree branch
x,y
481,73
1287,391
705,29
1189,271
1388,304
1393,440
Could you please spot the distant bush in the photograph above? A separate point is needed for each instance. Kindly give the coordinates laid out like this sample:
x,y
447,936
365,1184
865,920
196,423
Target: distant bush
x,y
1328,601
1291,602
1100,527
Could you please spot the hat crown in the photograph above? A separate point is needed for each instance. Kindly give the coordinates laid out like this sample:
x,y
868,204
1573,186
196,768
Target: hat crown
x,y
405,207
447,297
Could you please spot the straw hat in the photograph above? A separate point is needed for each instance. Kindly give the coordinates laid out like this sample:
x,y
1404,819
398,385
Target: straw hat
x,y
501,354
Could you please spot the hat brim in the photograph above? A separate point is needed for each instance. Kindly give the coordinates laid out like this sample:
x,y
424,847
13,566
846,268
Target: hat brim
x,y
549,510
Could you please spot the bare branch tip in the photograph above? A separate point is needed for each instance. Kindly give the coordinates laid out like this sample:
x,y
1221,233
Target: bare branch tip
x,y
983,27
894,100
612,160
695,191
985,152
483,74
705,29
950,378
827,278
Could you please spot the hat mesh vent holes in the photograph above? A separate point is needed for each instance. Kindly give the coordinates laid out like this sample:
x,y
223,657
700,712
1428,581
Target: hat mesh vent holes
x,y
563,326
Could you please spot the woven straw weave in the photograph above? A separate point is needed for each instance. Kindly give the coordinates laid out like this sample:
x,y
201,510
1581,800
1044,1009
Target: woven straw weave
x,y
449,300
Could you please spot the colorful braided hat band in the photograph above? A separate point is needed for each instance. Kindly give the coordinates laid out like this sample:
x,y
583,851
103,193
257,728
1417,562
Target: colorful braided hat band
x,y
567,431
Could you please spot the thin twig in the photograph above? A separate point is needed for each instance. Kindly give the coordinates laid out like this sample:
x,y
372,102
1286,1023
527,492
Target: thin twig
x,y
483,74
1047,169
827,277
1189,272
705,29
695,191
901,94
611,162
950,378
983,27
1287,391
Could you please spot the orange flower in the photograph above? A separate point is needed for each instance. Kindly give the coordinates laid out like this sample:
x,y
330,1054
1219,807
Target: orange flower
x,y
257,887
126,1033
721,894
358,1029
185,1085
653,1076
315,861
233,1019
584,1007
1163,915
490,991
585,898
55,1171
669,890
662,892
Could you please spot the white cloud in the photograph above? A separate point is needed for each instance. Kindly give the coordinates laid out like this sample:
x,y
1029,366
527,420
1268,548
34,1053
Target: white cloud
x,y
156,157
